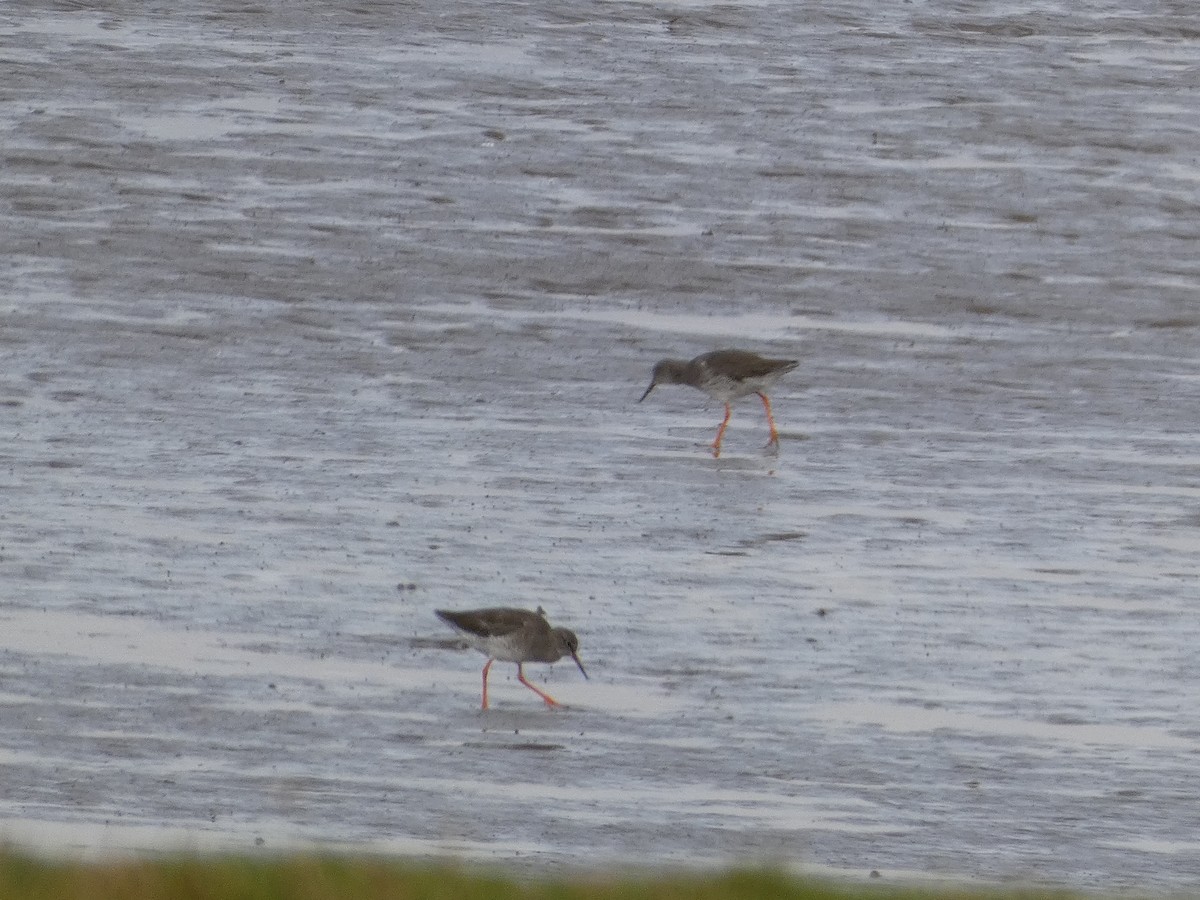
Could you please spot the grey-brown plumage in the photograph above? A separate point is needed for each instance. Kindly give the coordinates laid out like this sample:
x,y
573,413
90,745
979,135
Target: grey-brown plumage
x,y
514,635
725,375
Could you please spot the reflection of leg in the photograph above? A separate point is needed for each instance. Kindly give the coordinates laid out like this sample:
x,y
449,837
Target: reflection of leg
x,y
716,445
550,701
487,666
770,418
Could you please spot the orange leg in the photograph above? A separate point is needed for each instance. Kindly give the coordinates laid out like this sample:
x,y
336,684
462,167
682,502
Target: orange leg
x,y
770,418
716,445
550,701
487,666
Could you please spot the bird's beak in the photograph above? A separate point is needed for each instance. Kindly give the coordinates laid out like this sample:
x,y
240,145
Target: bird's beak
x,y
648,390
578,663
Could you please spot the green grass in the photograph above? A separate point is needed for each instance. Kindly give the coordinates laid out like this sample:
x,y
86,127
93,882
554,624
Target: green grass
x,y
24,877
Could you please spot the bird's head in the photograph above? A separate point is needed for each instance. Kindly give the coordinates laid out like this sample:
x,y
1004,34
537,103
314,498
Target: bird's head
x,y
666,371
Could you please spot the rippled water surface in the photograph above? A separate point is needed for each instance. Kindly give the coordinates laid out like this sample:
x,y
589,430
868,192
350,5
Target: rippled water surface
x,y
317,318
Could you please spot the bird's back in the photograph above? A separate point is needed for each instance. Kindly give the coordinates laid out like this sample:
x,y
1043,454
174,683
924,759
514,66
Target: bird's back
x,y
744,364
729,374
497,621
507,633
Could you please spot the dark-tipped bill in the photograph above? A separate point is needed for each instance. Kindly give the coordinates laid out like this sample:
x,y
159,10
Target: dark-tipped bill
x,y
648,390
578,663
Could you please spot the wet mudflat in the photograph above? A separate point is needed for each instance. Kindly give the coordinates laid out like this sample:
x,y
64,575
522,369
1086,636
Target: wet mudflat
x,y
317,319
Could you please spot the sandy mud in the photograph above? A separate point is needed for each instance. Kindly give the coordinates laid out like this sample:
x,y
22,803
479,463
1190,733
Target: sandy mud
x,y
317,318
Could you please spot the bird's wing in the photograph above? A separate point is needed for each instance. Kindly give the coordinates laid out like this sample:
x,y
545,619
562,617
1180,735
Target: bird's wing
x,y
751,365
494,622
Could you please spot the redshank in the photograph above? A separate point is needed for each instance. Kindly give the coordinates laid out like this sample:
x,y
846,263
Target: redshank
x,y
725,375
514,635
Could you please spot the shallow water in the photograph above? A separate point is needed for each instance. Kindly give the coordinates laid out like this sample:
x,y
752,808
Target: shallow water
x,y
316,320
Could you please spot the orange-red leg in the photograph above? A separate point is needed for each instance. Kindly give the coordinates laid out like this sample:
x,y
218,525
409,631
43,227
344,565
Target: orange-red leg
x,y
550,701
770,418
486,666
716,445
